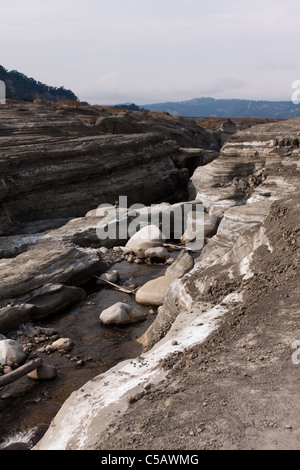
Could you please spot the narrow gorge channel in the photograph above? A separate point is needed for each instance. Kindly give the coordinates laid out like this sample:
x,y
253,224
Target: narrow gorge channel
x,y
247,181
34,214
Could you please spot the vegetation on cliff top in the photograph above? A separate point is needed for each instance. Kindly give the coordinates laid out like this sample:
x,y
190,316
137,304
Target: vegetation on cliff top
x,y
21,87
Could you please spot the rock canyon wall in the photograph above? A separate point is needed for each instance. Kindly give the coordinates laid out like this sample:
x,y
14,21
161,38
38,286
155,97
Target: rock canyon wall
x,y
59,163
252,189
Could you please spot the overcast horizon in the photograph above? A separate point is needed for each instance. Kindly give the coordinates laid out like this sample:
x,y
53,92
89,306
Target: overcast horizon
x,y
156,51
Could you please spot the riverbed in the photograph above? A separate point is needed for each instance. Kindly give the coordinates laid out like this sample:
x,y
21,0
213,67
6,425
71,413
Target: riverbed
x,y
27,406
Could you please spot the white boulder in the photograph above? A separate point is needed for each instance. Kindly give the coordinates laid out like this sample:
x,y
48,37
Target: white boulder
x,y
148,237
110,276
121,314
157,252
11,352
62,343
153,292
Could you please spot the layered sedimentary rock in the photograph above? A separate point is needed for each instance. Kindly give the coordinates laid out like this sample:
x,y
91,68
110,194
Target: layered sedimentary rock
x,y
256,186
256,167
58,165
44,280
62,162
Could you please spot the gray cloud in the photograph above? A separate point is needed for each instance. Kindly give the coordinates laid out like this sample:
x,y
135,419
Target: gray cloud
x,y
158,50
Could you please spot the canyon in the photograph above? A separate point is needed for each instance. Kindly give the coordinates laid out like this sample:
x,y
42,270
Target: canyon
x,y
216,367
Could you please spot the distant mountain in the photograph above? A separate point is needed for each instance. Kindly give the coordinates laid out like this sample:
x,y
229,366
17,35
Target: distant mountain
x,y
210,107
128,106
21,87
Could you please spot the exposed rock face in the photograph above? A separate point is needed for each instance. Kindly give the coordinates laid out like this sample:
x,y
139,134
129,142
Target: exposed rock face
x,y
250,150
45,280
256,183
159,252
12,316
63,162
58,164
183,264
269,151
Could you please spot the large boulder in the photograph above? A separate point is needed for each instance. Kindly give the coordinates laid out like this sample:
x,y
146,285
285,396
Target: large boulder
x,y
22,277
121,314
53,298
13,316
147,237
154,291
158,252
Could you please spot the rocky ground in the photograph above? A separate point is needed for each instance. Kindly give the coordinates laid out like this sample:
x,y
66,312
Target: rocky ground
x,y
219,368
238,389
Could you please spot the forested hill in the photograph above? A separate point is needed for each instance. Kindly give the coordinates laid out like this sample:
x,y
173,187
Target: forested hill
x,y
210,107
21,87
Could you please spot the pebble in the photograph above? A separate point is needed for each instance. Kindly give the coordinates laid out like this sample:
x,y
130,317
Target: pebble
x,y
63,344
147,386
47,331
117,248
200,430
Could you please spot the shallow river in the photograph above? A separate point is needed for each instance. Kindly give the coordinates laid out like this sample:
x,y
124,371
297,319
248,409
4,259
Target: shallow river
x,y
26,414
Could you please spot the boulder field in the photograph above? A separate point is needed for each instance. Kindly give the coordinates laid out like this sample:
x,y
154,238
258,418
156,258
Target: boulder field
x,y
217,369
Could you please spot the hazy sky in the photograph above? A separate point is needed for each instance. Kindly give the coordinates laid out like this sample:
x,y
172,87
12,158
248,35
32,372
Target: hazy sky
x,y
148,51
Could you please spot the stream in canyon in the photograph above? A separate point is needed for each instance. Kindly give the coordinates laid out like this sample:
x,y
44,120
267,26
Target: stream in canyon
x,y
28,405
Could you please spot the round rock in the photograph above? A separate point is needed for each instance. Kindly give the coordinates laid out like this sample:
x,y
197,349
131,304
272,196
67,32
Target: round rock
x,y
148,237
62,343
157,252
153,292
11,352
45,372
121,314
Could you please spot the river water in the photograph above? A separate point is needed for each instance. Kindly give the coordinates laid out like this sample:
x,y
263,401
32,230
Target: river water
x,y
29,406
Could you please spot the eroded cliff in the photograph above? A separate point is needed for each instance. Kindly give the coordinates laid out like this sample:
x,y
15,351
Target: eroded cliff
x,y
217,369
